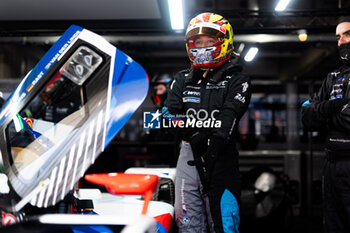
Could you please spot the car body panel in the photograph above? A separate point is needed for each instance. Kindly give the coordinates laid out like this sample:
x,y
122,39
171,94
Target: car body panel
x,y
71,144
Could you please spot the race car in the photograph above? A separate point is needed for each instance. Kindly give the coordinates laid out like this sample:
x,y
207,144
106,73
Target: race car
x,y
56,123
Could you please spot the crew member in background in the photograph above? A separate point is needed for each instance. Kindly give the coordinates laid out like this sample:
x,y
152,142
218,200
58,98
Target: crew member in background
x,y
207,188
161,140
161,85
330,108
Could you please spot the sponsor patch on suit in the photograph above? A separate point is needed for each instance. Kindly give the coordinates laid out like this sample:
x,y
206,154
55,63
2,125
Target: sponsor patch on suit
x,y
191,99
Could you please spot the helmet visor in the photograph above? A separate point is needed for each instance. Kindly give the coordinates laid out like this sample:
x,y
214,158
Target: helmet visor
x,y
192,41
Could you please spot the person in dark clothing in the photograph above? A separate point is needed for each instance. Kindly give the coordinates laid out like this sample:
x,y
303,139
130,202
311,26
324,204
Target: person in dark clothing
x,y
330,108
162,139
206,102
161,83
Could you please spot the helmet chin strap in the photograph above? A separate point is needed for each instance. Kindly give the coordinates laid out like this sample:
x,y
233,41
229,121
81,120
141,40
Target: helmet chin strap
x,y
205,73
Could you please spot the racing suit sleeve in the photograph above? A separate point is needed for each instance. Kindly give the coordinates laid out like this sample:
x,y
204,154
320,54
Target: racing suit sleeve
x,y
319,110
174,104
341,120
235,104
310,117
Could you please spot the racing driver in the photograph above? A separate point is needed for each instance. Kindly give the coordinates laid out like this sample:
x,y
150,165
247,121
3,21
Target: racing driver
x,y
207,188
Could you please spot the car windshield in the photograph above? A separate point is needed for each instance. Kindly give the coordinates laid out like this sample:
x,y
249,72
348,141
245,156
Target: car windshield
x,y
45,121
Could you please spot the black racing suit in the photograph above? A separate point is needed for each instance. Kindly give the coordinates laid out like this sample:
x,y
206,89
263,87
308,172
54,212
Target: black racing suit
x,y
329,108
224,95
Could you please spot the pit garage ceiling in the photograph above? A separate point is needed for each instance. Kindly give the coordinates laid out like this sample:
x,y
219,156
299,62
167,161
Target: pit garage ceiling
x,y
79,10
141,28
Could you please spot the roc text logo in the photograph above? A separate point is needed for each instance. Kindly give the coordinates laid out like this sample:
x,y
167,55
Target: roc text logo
x,y
151,120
